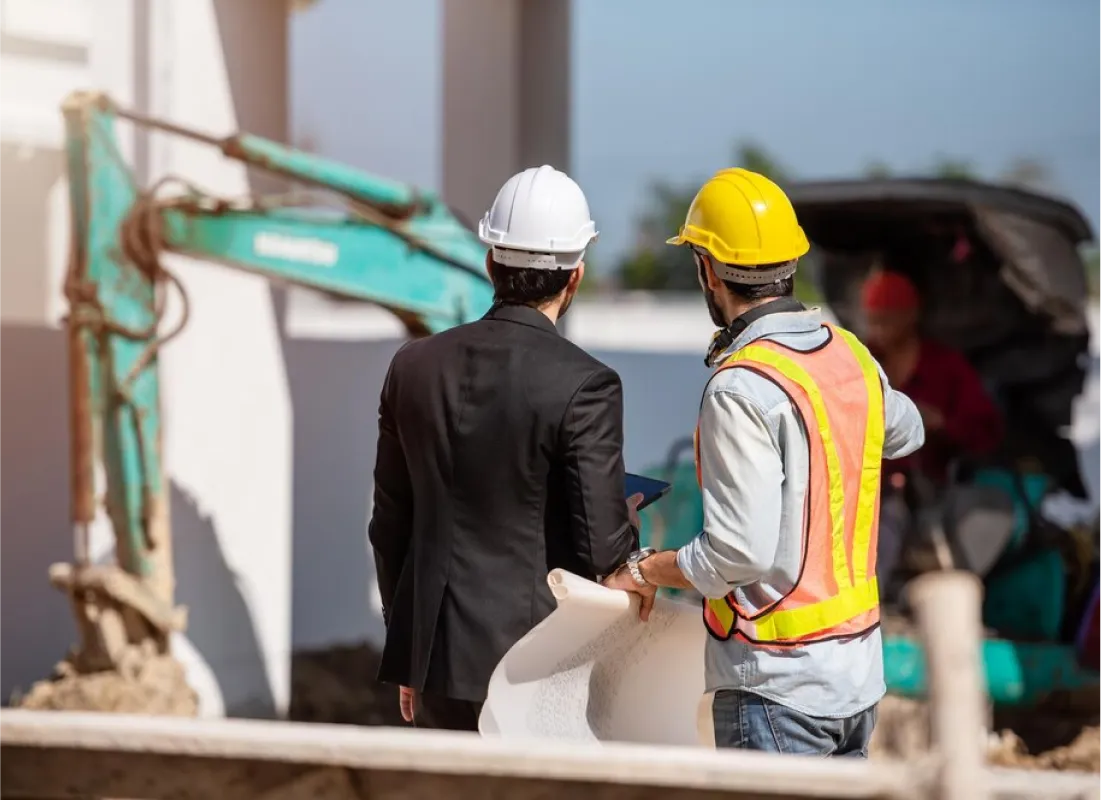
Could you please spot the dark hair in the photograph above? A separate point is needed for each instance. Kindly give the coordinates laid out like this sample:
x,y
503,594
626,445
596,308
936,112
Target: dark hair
x,y
756,291
525,285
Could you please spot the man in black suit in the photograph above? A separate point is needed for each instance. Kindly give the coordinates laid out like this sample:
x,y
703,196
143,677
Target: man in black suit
x,y
499,459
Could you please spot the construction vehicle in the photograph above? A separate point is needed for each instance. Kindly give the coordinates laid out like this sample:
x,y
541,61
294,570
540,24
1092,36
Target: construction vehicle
x,y
1004,282
388,244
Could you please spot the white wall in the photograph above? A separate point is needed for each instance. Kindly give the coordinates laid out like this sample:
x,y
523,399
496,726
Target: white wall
x,y
216,65
40,62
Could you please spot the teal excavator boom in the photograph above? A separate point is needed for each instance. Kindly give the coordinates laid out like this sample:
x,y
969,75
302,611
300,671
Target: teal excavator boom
x,y
391,245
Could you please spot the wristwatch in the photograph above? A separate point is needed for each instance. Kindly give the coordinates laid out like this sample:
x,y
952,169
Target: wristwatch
x,y
633,561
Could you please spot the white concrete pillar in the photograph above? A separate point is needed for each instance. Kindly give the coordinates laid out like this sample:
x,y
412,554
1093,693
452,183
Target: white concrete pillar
x,y
218,65
50,48
221,65
46,52
506,95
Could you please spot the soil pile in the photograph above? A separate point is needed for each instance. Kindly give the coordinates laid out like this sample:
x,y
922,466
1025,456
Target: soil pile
x,y
1044,739
158,686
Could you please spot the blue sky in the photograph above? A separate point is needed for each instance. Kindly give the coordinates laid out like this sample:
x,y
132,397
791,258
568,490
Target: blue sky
x,y
665,88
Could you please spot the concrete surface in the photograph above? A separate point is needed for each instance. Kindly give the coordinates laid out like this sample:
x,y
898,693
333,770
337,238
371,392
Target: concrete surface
x,y
68,755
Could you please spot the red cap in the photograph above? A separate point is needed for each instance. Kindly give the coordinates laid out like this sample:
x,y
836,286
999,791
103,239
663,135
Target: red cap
x,y
888,291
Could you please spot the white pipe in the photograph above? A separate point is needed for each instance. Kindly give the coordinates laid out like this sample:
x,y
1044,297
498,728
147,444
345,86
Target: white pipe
x,y
947,606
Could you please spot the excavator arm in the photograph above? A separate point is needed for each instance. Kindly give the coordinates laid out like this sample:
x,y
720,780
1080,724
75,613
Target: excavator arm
x,y
389,244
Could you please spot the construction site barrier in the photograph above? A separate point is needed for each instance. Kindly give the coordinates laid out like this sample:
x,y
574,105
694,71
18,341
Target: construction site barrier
x,y
53,754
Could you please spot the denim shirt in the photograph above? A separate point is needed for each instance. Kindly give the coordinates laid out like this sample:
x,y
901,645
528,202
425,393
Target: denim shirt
x,y
755,462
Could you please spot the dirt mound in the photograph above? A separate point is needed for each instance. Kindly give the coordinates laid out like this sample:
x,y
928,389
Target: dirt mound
x,y
1045,738
1082,754
901,729
157,687
1063,734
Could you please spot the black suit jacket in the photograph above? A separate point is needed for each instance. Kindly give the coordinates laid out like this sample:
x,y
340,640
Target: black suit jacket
x,y
499,459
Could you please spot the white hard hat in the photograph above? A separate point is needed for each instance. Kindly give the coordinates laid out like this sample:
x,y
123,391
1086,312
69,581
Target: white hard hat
x,y
540,219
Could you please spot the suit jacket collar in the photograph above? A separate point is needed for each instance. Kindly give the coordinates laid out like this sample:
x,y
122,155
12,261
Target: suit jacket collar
x,y
524,315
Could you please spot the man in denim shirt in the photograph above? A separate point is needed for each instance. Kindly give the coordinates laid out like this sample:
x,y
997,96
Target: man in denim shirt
x,y
792,429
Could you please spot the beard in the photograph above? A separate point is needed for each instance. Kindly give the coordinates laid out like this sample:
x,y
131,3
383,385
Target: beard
x,y
713,309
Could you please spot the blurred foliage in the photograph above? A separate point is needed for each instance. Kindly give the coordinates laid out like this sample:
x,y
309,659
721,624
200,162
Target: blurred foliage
x,y
953,169
594,281
1022,173
654,266
1093,266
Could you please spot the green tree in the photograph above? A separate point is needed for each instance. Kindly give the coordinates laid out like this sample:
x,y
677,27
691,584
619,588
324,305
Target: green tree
x,y
1024,172
877,170
1093,268
654,266
953,169
1027,173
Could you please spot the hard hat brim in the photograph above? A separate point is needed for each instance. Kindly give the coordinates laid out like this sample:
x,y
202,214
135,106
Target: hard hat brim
x,y
741,257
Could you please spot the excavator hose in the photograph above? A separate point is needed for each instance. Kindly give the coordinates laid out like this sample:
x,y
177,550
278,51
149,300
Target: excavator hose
x,y
142,241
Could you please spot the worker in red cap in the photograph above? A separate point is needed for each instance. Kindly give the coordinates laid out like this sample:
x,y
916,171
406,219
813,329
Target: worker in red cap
x,y
960,417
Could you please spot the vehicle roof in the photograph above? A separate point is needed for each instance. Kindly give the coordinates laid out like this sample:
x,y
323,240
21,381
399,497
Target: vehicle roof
x,y
944,192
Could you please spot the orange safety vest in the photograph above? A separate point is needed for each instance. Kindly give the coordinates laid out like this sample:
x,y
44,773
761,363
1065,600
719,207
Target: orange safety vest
x,y
837,391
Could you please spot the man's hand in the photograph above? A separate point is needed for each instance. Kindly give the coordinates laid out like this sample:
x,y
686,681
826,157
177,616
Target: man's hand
x,y
407,699
621,579
632,510
931,417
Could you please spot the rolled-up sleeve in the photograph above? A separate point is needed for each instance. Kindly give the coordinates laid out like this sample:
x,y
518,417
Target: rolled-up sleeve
x,y
904,432
743,476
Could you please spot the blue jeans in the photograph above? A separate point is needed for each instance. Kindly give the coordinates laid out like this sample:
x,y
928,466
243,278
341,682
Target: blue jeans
x,y
750,722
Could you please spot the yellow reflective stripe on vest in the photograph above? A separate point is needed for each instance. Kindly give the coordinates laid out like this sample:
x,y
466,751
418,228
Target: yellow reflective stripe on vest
x,y
800,377
871,463
723,613
793,623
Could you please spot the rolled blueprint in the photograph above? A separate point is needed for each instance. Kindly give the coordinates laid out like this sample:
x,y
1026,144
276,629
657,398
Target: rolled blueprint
x,y
592,671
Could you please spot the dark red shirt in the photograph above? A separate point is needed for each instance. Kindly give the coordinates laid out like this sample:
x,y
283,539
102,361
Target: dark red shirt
x,y
944,380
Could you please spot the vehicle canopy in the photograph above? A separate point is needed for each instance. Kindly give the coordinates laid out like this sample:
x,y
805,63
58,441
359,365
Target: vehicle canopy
x,y
1001,279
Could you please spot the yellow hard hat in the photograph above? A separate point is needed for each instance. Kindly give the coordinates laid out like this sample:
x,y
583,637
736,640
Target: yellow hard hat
x,y
743,218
